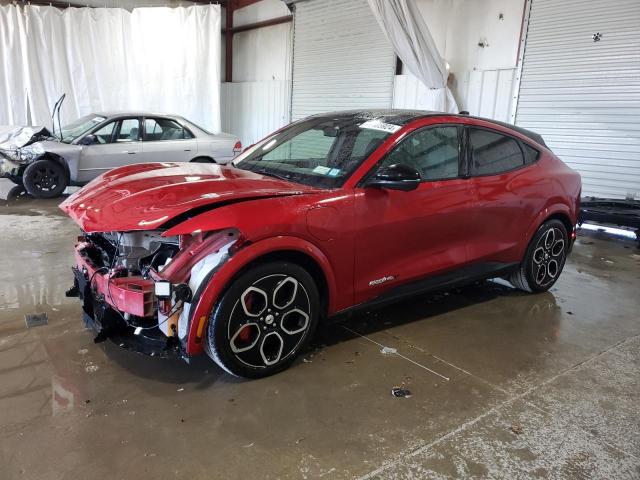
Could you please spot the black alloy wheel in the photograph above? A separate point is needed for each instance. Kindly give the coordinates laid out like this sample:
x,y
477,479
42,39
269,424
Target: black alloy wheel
x,y
544,259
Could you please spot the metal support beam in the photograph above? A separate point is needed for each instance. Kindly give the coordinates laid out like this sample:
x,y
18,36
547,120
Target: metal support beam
x,y
62,5
228,44
264,23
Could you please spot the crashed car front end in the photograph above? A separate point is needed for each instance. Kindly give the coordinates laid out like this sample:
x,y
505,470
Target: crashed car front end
x,y
20,146
137,287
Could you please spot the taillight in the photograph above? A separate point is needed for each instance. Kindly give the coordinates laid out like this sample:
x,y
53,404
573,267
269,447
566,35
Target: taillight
x,y
237,148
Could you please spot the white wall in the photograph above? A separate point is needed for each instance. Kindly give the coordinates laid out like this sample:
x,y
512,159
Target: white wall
x,y
256,103
457,27
252,110
263,54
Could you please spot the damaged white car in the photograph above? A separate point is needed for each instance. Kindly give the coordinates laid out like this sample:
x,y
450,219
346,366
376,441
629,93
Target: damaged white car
x,y
46,164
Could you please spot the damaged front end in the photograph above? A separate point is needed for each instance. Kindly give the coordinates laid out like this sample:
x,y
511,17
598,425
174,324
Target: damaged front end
x,y
137,287
19,147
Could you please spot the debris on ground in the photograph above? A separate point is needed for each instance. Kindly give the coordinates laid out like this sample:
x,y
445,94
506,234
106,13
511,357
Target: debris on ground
x,y
517,429
388,350
306,360
36,319
400,392
91,368
180,389
249,445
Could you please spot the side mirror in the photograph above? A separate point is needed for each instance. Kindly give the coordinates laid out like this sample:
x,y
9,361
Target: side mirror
x,y
396,177
88,140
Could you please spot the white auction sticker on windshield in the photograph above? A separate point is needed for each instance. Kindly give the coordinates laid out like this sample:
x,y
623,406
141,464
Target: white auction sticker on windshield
x,y
321,169
380,125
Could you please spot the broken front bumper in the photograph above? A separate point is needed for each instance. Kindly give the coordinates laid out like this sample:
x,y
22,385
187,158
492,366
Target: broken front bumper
x,y
8,168
108,303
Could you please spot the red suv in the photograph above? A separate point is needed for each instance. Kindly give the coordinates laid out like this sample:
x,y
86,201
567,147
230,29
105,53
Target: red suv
x,y
331,214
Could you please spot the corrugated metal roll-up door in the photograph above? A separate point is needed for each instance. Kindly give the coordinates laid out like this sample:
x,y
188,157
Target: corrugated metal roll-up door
x,y
341,58
580,89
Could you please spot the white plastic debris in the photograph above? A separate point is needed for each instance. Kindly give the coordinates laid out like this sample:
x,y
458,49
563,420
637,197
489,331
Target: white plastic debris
x,y
388,350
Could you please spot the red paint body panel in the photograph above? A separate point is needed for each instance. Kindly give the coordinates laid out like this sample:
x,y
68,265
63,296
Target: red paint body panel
x,y
132,295
246,256
355,235
145,196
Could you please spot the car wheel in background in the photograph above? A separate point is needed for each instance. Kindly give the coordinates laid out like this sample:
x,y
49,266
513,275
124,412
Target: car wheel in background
x,y
203,160
544,260
263,320
44,179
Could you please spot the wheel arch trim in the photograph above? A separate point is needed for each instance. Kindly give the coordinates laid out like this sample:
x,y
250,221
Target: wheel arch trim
x,y
558,211
253,252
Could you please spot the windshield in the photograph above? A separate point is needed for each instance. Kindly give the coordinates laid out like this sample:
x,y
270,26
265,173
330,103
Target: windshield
x,y
320,151
75,129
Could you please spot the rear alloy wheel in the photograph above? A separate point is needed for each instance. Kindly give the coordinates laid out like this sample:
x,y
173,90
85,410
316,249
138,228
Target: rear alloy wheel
x,y
264,320
44,179
544,259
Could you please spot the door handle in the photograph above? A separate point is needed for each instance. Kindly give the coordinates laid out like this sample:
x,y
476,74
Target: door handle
x,y
187,149
130,153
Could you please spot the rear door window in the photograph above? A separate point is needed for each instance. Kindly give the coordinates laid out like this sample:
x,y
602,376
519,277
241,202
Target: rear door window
x,y
162,129
493,153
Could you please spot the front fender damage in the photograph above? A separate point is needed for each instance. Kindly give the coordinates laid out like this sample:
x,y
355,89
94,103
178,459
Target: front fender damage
x,y
200,274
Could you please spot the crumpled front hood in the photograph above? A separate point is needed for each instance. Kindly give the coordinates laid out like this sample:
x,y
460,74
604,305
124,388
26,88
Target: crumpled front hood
x,y
146,196
12,138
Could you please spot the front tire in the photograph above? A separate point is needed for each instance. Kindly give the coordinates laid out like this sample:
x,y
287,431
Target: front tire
x,y
544,260
264,320
44,179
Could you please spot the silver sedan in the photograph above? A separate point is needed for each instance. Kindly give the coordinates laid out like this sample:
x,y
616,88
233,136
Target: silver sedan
x,y
100,142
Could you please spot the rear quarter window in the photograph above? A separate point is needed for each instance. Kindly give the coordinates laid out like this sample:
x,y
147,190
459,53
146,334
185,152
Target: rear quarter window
x,y
530,154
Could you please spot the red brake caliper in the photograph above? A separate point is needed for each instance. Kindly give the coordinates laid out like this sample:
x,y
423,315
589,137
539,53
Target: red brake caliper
x,y
244,334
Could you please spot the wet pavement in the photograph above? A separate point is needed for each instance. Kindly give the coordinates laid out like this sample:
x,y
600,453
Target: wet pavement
x,y
503,384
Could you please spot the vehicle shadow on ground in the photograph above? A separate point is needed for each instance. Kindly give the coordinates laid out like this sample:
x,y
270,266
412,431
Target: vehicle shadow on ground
x,y
203,373
422,308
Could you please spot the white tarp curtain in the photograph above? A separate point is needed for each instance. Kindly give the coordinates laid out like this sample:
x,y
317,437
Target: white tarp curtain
x,y
150,59
406,30
13,84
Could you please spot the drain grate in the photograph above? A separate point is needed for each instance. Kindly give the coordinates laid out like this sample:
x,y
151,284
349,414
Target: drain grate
x,y
36,319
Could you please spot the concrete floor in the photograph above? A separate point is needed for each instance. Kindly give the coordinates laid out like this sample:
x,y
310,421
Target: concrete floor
x,y
504,385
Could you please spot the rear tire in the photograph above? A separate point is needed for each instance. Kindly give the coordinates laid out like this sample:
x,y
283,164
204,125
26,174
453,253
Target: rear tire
x,y
544,259
44,179
264,320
